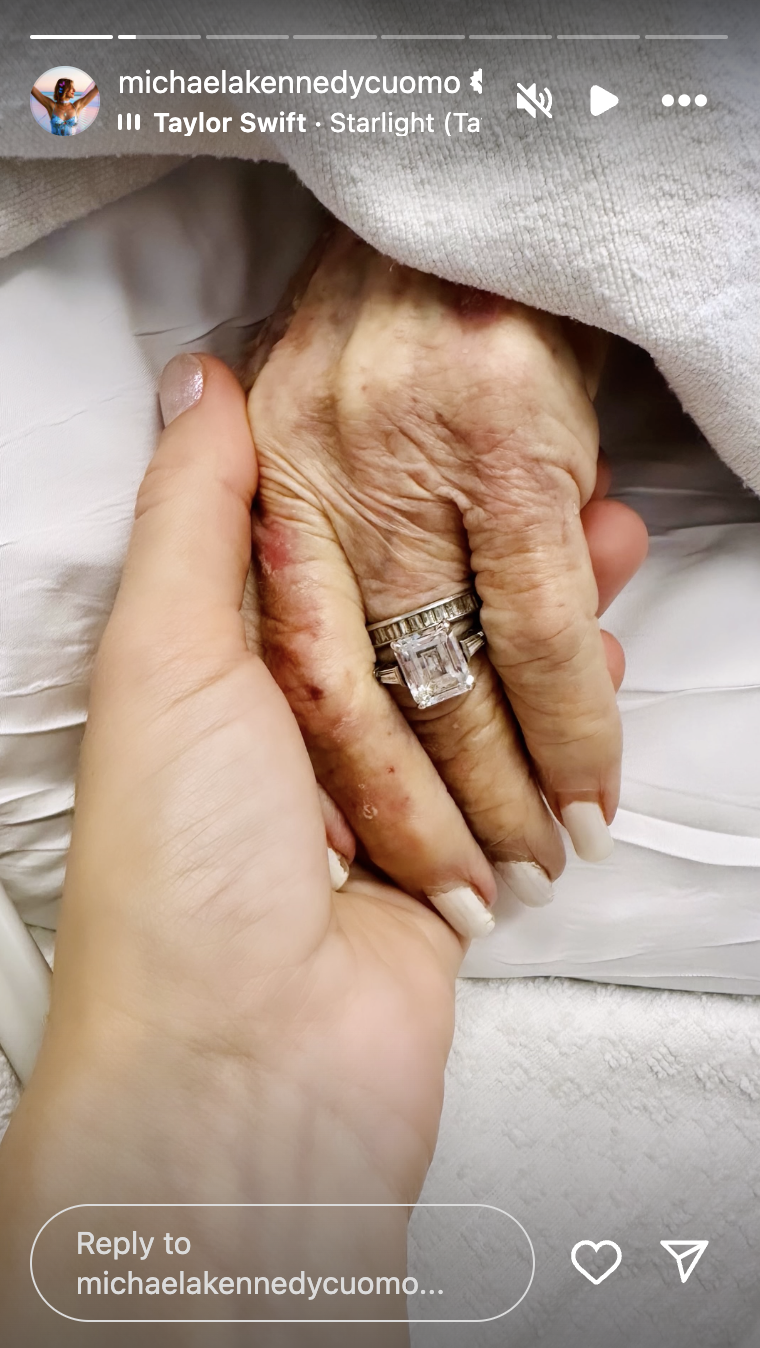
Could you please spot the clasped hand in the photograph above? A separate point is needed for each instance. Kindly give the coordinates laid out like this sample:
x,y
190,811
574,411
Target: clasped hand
x,y
414,436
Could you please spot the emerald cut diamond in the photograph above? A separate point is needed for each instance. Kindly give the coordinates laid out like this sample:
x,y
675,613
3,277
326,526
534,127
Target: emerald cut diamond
x,y
433,664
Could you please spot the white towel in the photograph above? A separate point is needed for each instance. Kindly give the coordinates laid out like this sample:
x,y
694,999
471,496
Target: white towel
x,y
643,221
594,1113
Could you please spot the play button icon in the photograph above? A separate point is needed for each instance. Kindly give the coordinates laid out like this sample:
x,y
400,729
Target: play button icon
x,y
601,100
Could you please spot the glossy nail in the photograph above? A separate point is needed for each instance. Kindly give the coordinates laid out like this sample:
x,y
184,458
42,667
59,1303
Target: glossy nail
x,y
527,881
180,387
588,830
464,910
339,868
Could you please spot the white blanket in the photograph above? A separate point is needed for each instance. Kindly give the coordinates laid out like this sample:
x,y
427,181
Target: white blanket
x,y
643,221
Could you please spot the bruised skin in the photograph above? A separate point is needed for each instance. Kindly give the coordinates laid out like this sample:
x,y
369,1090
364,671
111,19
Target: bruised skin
x,y
411,432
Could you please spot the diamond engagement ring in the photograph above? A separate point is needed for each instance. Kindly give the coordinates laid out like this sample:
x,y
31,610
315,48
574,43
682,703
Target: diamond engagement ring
x,y
428,650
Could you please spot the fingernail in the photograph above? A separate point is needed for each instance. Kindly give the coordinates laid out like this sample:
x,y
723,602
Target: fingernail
x,y
527,881
339,868
465,911
588,830
180,386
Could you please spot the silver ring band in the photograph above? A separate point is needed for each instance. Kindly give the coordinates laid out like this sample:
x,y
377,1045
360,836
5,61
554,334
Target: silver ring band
x,y
442,610
428,650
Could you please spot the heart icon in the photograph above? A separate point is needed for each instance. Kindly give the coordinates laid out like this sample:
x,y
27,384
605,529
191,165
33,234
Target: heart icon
x,y
596,1246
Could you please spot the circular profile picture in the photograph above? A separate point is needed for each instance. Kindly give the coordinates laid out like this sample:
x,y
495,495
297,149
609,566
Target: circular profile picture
x,y
64,101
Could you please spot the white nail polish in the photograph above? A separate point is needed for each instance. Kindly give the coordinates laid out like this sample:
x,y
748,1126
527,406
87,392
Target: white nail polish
x,y
339,868
465,911
588,830
527,881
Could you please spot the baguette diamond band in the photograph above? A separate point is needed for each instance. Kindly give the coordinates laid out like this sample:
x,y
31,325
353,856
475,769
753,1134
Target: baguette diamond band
x,y
429,649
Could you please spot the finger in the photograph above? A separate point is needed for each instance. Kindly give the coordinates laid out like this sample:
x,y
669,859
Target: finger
x,y
476,747
364,754
190,547
617,542
341,844
472,739
175,685
540,598
603,477
615,657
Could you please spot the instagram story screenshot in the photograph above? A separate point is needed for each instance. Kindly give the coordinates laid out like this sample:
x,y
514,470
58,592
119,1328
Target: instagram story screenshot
x,y
380,674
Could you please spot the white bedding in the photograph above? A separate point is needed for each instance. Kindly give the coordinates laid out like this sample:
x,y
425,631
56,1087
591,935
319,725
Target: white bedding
x,y
608,1113
191,263
643,221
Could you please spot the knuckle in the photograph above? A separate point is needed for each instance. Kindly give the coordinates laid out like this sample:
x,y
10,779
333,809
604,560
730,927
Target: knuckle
x,y
580,736
470,725
555,635
521,504
549,622
476,749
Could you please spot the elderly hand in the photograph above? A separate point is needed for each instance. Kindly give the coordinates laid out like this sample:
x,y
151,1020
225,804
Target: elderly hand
x,y
224,1028
412,435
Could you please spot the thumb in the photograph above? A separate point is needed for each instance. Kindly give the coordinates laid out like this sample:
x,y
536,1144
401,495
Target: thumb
x,y
198,845
191,543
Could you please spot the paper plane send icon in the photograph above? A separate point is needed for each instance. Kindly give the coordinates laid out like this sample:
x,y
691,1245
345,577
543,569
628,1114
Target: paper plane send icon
x,y
687,1254
601,100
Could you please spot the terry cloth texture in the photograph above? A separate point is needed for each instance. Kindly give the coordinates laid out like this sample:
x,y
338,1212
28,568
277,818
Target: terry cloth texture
x,y
594,1113
604,1114
643,221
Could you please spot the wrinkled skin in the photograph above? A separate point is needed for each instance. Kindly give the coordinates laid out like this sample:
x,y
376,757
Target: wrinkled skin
x,y
413,434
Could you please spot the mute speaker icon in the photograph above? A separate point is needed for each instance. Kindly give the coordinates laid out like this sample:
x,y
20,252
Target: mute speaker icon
x,y
529,100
